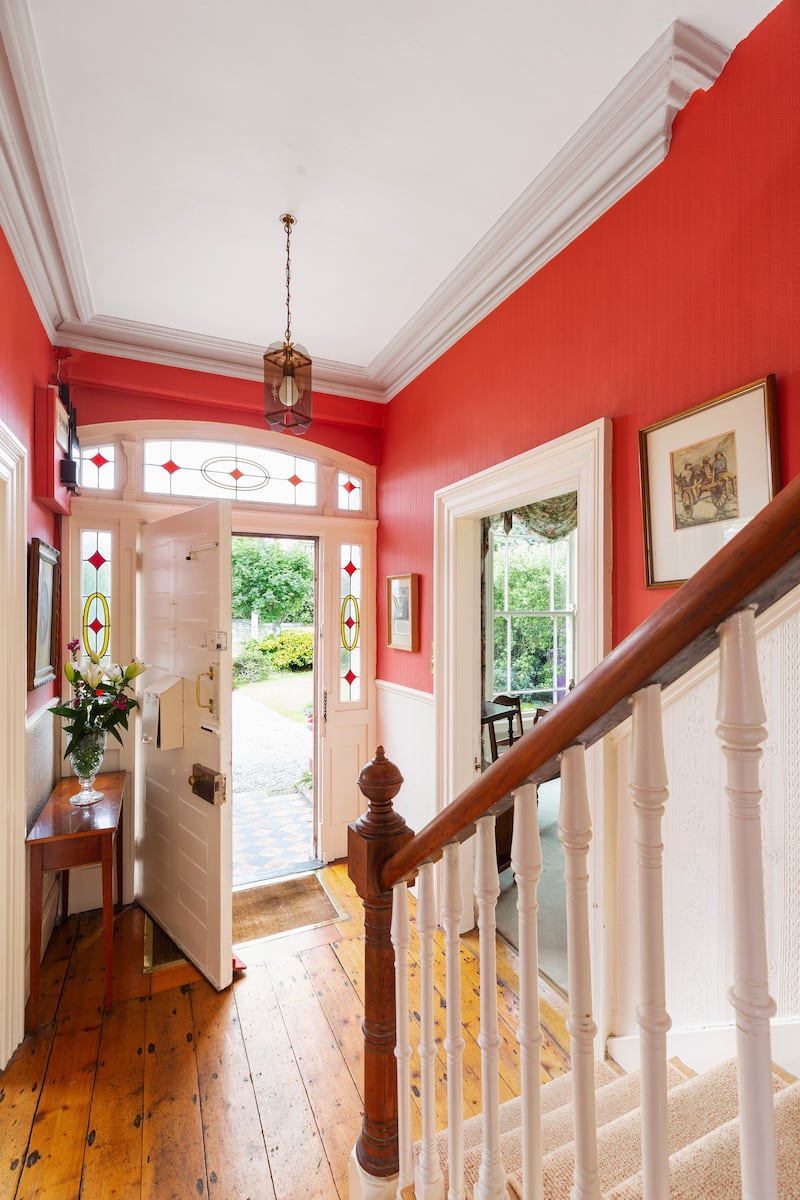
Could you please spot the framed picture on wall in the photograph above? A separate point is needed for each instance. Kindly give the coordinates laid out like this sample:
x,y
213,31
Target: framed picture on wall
x,y
402,612
705,473
43,582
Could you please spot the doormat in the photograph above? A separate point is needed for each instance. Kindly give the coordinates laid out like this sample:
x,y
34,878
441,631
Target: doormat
x,y
286,904
159,949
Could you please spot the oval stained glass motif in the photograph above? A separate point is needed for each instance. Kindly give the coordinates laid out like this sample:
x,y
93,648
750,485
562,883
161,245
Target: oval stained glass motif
x,y
96,621
235,474
351,622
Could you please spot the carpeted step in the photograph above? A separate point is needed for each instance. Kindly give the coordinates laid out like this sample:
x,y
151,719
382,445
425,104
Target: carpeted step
x,y
710,1166
694,1109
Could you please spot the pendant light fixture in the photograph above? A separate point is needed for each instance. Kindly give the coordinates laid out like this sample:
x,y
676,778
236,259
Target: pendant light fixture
x,y
287,368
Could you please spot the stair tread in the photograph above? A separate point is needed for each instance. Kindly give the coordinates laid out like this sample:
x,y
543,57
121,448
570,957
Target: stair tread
x,y
709,1166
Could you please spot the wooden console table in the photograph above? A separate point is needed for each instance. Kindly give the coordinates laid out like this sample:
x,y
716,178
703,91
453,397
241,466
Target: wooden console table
x,y
67,836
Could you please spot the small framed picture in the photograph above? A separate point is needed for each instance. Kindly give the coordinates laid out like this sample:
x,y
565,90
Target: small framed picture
x,y
705,473
402,612
43,581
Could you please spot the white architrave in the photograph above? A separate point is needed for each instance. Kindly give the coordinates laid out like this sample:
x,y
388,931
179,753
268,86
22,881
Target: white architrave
x,y
578,461
13,621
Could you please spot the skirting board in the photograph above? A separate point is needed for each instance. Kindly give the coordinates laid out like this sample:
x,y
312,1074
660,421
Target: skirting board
x,y
701,1049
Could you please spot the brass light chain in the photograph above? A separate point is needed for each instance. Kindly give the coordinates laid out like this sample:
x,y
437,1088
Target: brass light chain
x,y
288,221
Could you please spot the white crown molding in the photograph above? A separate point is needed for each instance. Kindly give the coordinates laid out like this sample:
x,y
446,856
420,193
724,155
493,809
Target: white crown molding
x,y
60,271
199,352
614,150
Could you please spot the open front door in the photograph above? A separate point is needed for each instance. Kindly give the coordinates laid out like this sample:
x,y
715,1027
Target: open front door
x,y
184,835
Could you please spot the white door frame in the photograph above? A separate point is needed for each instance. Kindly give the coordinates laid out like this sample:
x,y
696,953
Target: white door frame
x,y
579,461
13,811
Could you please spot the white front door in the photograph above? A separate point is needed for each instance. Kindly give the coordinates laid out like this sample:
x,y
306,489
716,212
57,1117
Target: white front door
x,y
183,846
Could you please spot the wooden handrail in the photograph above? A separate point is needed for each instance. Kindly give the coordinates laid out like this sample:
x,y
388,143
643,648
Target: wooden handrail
x,y
758,566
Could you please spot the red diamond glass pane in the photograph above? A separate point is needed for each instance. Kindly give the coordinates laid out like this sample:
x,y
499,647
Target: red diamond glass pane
x,y
171,467
349,486
99,460
236,473
95,625
96,560
295,479
350,677
349,622
351,568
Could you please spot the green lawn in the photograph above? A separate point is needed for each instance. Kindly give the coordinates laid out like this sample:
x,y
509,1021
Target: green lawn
x,y
287,693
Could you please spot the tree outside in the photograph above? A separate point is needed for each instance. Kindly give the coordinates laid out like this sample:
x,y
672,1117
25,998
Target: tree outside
x,y
273,580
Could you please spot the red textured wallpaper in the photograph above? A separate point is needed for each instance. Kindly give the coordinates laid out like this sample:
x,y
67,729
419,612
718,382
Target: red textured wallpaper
x,y
26,363
686,289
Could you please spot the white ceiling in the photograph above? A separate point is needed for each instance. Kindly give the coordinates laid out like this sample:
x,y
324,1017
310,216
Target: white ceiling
x,y
418,146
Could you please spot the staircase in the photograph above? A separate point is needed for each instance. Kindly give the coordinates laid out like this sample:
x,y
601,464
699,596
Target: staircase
x,y
703,1137
730,1132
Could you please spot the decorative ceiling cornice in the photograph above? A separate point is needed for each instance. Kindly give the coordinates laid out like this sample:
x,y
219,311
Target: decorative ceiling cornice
x,y
614,150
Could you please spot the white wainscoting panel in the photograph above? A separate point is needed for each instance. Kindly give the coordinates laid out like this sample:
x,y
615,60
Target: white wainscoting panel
x,y
406,732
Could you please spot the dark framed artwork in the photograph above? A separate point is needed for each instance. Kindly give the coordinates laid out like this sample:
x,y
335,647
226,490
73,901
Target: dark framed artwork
x,y
43,591
705,473
402,612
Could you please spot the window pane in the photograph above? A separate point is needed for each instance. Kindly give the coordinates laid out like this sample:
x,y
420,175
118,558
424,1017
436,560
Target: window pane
x,y
96,593
350,635
98,467
207,469
349,492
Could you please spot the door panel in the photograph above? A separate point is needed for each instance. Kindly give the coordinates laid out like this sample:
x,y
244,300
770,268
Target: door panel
x,y
184,846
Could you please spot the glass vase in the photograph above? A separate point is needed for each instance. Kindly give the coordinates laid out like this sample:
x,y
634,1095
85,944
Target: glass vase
x,y
85,758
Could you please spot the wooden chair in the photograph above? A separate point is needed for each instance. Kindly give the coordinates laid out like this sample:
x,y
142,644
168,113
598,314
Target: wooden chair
x,y
513,725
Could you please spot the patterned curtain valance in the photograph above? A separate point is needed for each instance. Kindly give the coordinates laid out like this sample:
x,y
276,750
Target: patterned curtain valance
x,y
548,520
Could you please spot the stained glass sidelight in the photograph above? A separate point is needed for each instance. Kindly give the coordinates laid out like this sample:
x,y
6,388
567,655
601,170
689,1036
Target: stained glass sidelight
x,y
211,469
98,467
350,492
350,647
96,592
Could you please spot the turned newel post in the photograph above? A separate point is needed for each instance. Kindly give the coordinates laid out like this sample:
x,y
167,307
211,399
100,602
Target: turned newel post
x,y
371,841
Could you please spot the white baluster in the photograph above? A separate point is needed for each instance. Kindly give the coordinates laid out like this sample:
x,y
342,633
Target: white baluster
x,y
526,860
648,788
741,729
401,937
491,1183
429,1184
574,825
452,908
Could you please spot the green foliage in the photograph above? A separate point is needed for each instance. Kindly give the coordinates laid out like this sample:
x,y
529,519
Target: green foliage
x,y
252,664
273,581
295,650
291,650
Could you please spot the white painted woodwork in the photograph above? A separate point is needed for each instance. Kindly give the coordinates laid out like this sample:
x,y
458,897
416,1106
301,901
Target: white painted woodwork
x,y
574,825
405,721
649,792
401,938
452,906
696,875
526,861
363,1186
13,651
429,1184
741,731
491,1183
578,461
184,845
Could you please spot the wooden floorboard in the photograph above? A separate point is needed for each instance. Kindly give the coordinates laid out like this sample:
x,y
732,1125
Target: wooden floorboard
x,y
181,1091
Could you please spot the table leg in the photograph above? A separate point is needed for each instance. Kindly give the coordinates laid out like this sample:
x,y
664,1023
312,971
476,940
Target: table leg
x,y
35,934
108,918
64,893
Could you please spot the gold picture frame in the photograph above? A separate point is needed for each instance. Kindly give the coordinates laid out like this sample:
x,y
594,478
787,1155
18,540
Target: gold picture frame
x,y
43,593
402,612
704,474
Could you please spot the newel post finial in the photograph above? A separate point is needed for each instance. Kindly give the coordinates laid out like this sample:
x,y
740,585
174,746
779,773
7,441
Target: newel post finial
x,y
371,842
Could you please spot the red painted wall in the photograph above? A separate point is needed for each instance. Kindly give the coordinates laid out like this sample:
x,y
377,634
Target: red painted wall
x,y
26,362
686,289
104,388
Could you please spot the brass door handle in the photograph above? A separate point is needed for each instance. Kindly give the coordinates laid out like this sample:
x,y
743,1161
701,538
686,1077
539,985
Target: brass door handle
x,y
209,674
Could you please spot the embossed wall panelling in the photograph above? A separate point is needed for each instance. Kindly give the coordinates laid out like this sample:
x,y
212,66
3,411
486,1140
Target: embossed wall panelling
x,y
42,761
696,866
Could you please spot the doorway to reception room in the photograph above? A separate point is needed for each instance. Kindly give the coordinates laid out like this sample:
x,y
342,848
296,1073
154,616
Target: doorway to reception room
x,y
273,603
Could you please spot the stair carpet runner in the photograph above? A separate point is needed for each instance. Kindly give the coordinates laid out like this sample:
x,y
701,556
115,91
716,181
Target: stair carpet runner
x,y
703,1136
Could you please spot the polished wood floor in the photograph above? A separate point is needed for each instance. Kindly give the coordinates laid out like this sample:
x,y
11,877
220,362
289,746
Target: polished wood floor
x,y
249,1094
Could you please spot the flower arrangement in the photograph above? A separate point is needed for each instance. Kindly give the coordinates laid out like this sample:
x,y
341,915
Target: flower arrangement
x,y
103,696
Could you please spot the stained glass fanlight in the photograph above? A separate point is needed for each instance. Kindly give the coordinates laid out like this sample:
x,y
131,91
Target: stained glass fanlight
x,y
287,368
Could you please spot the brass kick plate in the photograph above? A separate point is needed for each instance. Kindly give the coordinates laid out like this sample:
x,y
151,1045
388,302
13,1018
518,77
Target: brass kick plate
x,y
207,784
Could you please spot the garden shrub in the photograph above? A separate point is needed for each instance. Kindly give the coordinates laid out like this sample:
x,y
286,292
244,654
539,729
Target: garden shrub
x,y
295,651
253,663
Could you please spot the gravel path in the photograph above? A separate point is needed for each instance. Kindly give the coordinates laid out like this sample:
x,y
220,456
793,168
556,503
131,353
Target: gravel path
x,y
270,752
